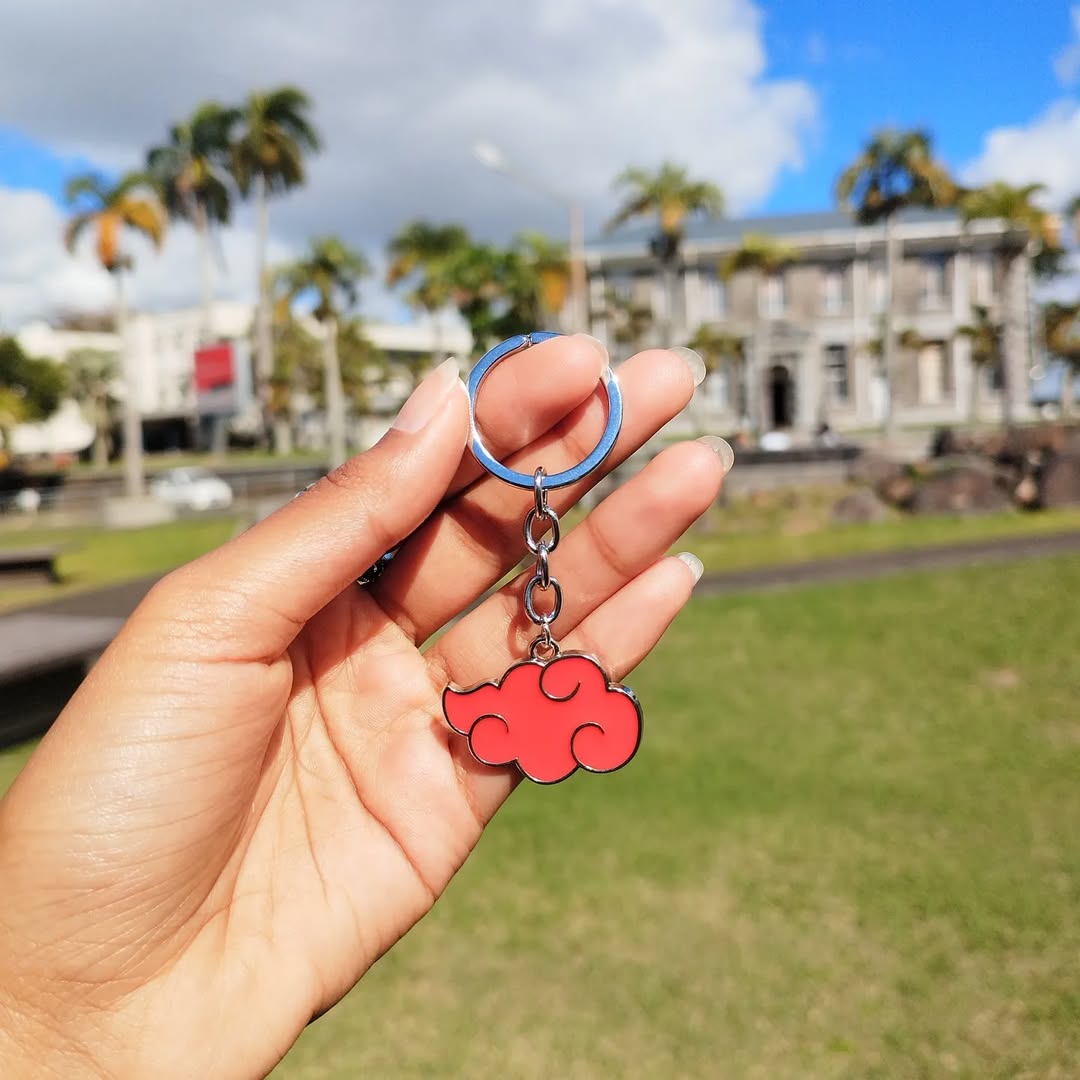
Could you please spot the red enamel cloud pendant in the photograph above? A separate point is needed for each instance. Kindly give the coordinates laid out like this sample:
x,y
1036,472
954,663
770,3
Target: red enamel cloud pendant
x,y
549,718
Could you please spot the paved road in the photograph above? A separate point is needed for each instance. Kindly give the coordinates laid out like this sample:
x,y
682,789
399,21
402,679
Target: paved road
x,y
120,600
29,705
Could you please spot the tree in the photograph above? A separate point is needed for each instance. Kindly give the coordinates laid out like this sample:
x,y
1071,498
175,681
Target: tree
x,y
1016,208
331,272
720,349
544,270
30,389
267,159
763,256
420,254
1061,335
190,172
672,197
629,321
895,170
985,335
91,373
109,209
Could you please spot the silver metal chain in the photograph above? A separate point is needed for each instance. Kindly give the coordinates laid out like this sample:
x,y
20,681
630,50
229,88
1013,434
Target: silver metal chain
x,y
544,646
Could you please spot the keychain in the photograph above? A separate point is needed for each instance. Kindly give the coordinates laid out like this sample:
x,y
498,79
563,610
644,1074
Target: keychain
x,y
551,712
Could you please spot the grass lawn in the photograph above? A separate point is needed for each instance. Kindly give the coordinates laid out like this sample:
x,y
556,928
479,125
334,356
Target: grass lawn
x,y
785,527
100,557
847,848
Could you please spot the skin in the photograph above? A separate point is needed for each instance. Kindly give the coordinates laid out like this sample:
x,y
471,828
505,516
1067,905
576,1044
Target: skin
x,y
254,793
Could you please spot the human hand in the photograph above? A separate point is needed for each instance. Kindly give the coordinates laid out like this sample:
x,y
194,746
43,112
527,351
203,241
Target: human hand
x,y
254,793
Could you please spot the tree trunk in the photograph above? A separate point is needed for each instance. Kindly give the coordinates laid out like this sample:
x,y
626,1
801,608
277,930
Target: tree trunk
x,y
264,346
101,424
670,279
206,314
1068,389
133,449
888,345
973,401
335,397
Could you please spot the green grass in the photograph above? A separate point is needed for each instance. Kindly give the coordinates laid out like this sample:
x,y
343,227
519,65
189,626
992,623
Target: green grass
x,y
785,527
847,848
97,557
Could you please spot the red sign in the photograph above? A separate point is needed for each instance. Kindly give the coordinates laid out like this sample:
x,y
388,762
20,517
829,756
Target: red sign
x,y
213,367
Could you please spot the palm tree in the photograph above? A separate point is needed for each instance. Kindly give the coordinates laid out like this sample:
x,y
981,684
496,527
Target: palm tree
x,y
191,175
1016,208
1061,335
720,348
985,335
268,158
764,256
895,170
108,209
546,267
672,197
419,255
628,321
91,373
332,271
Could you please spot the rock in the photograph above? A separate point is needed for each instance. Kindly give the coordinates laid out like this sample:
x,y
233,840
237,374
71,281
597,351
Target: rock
x,y
1059,484
874,469
858,507
898,491
961,490
948,442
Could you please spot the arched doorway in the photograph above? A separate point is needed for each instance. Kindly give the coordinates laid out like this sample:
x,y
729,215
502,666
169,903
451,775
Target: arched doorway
x,y
780,395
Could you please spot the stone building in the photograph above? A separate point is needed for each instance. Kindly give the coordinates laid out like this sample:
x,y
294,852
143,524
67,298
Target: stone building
x,y
811,332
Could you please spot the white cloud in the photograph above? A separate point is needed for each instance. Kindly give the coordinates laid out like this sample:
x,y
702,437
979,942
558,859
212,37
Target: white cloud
x,y
38,277
1046,151
1067,61
572,90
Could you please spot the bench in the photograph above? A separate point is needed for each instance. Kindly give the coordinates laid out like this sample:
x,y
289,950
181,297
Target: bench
x,y
34,563
43,658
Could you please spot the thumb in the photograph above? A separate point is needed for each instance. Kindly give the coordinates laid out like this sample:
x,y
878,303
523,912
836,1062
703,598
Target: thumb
x,y
262,586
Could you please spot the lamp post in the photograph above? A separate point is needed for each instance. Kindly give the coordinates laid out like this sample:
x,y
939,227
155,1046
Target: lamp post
x,y
491,157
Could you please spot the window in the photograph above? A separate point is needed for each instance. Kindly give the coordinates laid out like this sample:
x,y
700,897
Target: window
x,y
933,376
713,300
982,279
622,286
837,375
835,289
716,389
775,295
877,288
933,281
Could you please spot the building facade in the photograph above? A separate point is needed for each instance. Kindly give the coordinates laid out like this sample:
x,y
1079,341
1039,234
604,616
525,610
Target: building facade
x,y
162,347
811,332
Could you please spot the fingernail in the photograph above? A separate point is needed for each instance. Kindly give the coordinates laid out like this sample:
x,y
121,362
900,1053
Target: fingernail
x,y
697,567
599,346
721,448
693,362
428,398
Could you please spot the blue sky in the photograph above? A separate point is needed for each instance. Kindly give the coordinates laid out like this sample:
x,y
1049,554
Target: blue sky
x,y
770,98
960,68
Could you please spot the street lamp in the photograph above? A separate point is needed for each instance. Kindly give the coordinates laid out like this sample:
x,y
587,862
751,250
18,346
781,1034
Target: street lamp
x,y
491,157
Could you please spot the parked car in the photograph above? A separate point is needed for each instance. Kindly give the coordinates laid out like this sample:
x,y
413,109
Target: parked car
x,y
192,489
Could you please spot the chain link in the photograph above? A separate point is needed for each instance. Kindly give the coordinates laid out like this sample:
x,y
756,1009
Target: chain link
x,y
544,647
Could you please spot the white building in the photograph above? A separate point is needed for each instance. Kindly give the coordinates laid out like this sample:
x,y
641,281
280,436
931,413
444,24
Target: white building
x,y
162,346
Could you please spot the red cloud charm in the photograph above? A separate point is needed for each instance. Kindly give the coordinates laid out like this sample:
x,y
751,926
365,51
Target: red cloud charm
x,y
549,718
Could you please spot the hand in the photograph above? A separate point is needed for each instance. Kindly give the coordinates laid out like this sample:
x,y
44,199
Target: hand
x,y
254,793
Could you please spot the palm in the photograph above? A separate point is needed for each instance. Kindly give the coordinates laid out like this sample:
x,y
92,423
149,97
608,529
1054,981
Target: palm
x,y
255,795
